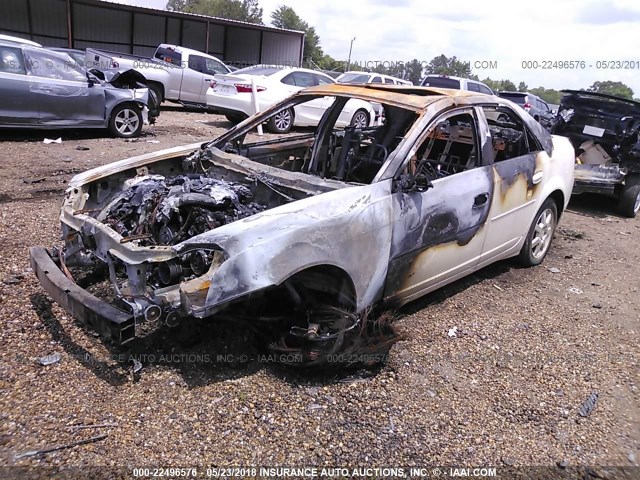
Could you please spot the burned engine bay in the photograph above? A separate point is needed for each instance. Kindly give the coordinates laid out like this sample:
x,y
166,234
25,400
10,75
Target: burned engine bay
x,y
157,210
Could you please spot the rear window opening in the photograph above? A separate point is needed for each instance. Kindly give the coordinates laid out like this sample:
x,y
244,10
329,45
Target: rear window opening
x,y
353,78
258,70
518,98
441,82
168,55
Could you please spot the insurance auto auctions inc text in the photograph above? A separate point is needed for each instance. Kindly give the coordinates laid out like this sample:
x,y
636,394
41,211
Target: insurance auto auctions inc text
x,y
374,472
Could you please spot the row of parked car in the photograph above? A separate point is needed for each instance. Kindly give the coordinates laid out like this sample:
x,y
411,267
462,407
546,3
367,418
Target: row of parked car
x,y
60,88
180,75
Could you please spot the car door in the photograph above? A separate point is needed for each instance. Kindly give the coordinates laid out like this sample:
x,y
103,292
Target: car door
x,y
307,113
212,67
195,80
519,163
437,229
63,92
18,105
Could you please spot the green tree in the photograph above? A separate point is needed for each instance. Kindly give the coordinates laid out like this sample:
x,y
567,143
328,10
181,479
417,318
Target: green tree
x,y
522,87
286,17
243,10
444,65
413,71
609,87
180,5
549,95
500,85
327,62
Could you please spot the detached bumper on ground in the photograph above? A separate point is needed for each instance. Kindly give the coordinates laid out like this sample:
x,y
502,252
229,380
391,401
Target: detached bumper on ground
x,y
100,316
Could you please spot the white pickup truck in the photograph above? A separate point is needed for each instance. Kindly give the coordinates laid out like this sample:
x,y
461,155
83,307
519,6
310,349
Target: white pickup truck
x,y
174,73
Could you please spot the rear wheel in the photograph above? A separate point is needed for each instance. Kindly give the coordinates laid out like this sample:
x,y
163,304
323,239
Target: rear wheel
x,y
360,119
629,201
538,241
281,122
126,121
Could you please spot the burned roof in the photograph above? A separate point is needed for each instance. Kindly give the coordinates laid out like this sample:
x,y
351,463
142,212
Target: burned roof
x,y
407,96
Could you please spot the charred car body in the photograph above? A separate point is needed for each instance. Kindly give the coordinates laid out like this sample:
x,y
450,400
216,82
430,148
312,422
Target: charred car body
x,y
604,131
44,89
350,218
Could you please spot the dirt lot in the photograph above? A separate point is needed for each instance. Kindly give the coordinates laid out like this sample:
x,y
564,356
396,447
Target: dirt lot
x,y
532,345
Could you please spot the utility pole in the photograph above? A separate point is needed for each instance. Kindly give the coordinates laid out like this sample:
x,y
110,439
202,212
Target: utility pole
x,y
349,60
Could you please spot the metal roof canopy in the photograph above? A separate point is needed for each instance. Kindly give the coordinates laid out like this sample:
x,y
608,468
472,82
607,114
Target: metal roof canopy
x,y
139,30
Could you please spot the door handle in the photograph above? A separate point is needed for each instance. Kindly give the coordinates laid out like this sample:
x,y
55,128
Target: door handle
x,y
480,200
537,177
208,79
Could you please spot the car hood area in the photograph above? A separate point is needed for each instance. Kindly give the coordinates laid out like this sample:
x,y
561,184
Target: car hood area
x,y
254,224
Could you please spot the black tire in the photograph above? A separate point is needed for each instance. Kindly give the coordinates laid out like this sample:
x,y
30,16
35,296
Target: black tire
x,y
360,119
126,121
629,200
542,228
235,118
281,122
155,99
157,90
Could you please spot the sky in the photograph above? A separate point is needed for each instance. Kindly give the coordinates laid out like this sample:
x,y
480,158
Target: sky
x,y
502,34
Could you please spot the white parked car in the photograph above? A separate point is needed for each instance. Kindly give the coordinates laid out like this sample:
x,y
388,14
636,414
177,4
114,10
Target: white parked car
x,y
174,73
370,77
231,95
457,83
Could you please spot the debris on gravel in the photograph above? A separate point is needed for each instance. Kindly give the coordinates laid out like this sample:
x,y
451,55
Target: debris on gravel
x,y
503,391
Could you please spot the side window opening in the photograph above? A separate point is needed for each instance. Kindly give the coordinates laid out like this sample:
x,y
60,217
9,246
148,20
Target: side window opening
x,y
322,80
473,87
304,79
214,67
288,80
11,61
509,136
450,147
197,63
336,151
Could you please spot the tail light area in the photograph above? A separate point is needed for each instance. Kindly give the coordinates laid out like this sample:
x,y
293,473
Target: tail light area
x,y
246,88
240,87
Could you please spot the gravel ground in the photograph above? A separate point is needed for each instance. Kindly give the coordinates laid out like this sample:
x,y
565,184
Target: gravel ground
x,y
531,346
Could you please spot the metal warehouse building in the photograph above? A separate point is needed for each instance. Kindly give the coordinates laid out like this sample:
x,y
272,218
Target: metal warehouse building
x,y
137,30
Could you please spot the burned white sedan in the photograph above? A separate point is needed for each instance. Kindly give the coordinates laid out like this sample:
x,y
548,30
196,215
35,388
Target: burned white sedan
x,y
303,226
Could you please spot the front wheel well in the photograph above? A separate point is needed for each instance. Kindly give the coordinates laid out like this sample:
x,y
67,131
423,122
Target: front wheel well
x,y
326,283
558,198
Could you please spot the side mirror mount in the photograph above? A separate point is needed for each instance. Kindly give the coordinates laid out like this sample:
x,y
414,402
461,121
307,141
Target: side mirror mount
x,y
92,79
413,183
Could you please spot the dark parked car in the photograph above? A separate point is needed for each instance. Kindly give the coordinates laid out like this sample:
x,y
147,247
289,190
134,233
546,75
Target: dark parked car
x,y
40,88
604,131
537,108
79,56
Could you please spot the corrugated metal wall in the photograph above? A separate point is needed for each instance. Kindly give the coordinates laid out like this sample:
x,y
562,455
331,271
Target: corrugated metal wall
x,y
278,49
128,29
